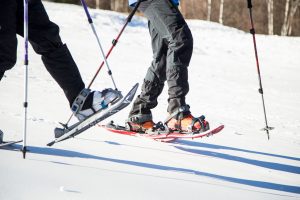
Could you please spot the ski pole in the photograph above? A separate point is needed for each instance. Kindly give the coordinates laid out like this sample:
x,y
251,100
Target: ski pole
x,y
98,41
260,90
25,104
115,41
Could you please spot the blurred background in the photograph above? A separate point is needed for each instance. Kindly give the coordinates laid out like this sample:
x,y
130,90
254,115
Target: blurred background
x,y
272,17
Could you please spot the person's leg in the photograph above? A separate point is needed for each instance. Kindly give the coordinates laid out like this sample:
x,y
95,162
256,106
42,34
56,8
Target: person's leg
x,y
8,39
171,26
45,40
154,80
1,74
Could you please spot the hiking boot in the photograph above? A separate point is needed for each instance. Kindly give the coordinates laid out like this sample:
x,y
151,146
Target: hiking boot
x,y
140,122
188,124
183,120
89,102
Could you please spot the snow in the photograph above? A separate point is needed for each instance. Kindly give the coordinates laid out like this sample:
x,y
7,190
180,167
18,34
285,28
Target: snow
x,y
240,162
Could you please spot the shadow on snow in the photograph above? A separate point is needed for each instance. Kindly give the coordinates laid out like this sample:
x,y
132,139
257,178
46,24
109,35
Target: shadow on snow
x,y
260,184
259,163
213,146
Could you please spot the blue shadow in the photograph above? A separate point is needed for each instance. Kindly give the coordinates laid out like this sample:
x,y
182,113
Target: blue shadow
x,y
260,184
213,146
265,164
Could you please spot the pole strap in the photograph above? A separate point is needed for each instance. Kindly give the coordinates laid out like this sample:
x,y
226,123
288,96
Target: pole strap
x,y
80,99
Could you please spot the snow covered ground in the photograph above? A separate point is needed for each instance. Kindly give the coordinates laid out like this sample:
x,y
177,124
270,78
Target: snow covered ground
x,y
238,163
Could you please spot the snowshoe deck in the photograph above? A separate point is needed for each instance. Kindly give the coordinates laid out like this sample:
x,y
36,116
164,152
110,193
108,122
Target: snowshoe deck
x,y
69,132
163,136
122,130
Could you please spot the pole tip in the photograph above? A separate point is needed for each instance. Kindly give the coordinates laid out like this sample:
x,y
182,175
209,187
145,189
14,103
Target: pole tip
x,y
24,150
267,129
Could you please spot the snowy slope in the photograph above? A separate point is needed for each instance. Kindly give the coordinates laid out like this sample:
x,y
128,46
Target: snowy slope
x,y
239,163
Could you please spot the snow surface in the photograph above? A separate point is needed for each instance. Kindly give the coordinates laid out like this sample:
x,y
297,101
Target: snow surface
x,y
238,163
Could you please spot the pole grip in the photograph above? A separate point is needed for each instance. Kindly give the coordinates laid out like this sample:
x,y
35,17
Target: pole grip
x,y
134,10
86,11
249,4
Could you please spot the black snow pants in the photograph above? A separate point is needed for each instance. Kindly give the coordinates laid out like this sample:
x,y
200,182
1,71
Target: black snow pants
x,y
45,40
172,45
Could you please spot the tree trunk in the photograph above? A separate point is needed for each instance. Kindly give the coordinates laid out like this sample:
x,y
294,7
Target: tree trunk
x,y
98,4
103,4
284,25
270,17
118,5
208,10
295,4
221,11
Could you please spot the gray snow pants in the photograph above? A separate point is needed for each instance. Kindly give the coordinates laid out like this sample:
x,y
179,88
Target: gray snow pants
x,y
172,45
45,40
